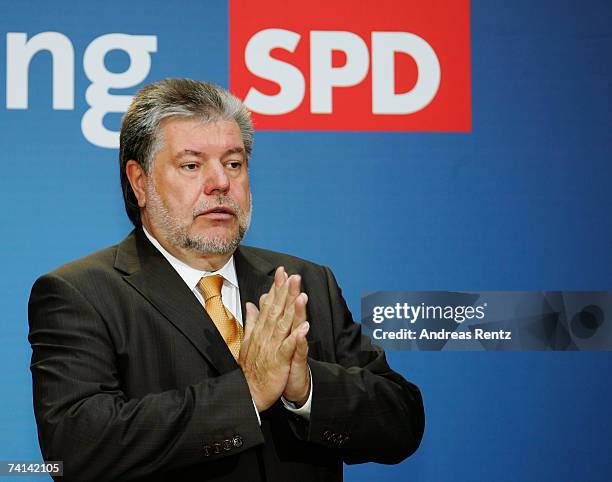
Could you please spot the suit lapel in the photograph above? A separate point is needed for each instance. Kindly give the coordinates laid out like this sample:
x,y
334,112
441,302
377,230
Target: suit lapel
x,y
157,281
255,276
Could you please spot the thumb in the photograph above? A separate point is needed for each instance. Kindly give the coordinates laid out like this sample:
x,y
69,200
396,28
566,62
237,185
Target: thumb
x,y
287,347
252,313
301,349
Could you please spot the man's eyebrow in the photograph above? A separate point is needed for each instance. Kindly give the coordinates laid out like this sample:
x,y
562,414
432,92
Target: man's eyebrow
x,y
234,150
188,152
192,152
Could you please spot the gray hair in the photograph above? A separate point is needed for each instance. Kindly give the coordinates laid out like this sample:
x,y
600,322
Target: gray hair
x,y
140,137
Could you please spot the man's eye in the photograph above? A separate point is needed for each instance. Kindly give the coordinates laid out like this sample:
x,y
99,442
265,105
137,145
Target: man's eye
x,y
234,164
192,166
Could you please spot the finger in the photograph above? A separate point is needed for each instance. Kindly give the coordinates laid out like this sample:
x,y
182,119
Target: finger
x,y
265,305
266,300
258,327
287,347
280,276
299,315
252,314
285,323
294,285
301,348
293,291
262,303
277,308
280,295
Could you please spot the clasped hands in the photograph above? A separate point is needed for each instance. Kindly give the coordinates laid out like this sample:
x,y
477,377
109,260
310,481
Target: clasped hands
x,y
274,352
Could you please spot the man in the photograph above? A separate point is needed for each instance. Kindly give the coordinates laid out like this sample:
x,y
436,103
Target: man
x,y
179,354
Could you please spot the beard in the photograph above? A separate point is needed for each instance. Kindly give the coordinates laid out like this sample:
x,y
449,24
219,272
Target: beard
x,y
177,234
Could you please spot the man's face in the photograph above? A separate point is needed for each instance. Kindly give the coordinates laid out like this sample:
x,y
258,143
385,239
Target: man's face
x,y
197,194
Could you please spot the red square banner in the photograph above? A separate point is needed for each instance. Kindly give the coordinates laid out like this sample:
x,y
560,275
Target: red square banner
x,y
386,65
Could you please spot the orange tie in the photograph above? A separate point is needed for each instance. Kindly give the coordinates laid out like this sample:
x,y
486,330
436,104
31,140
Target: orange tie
x,y
228,327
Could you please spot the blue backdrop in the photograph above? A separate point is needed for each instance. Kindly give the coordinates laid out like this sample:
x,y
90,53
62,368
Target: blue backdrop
x,y
522,202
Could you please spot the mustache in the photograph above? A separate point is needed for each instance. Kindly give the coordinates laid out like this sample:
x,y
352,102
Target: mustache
x,y
208,204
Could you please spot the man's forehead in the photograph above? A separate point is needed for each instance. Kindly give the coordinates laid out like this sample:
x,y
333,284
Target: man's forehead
x,y
199,136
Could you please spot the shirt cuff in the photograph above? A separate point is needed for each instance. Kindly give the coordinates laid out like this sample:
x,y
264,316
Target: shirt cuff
x,y
304,410
258,417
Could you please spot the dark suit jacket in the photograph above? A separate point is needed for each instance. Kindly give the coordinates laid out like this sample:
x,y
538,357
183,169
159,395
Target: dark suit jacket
x,y
132,380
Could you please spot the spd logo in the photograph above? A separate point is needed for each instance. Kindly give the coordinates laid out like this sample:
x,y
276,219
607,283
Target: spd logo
x,y
400,65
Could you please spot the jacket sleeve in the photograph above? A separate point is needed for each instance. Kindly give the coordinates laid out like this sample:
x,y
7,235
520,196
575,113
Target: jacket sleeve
x,y
85,419
360,406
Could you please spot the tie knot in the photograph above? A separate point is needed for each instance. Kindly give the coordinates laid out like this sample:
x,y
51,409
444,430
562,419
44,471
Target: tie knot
x,y
210,286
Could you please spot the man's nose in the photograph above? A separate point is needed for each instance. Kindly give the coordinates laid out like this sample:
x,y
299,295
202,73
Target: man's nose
x,y
216,179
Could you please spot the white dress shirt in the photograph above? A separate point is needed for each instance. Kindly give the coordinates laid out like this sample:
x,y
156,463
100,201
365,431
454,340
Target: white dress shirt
x,y
230,295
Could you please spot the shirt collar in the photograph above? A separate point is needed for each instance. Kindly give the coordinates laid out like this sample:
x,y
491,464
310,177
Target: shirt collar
x,y
190,275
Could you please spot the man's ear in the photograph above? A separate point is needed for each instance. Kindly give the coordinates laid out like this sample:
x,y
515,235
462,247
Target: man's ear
x,y
138,180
